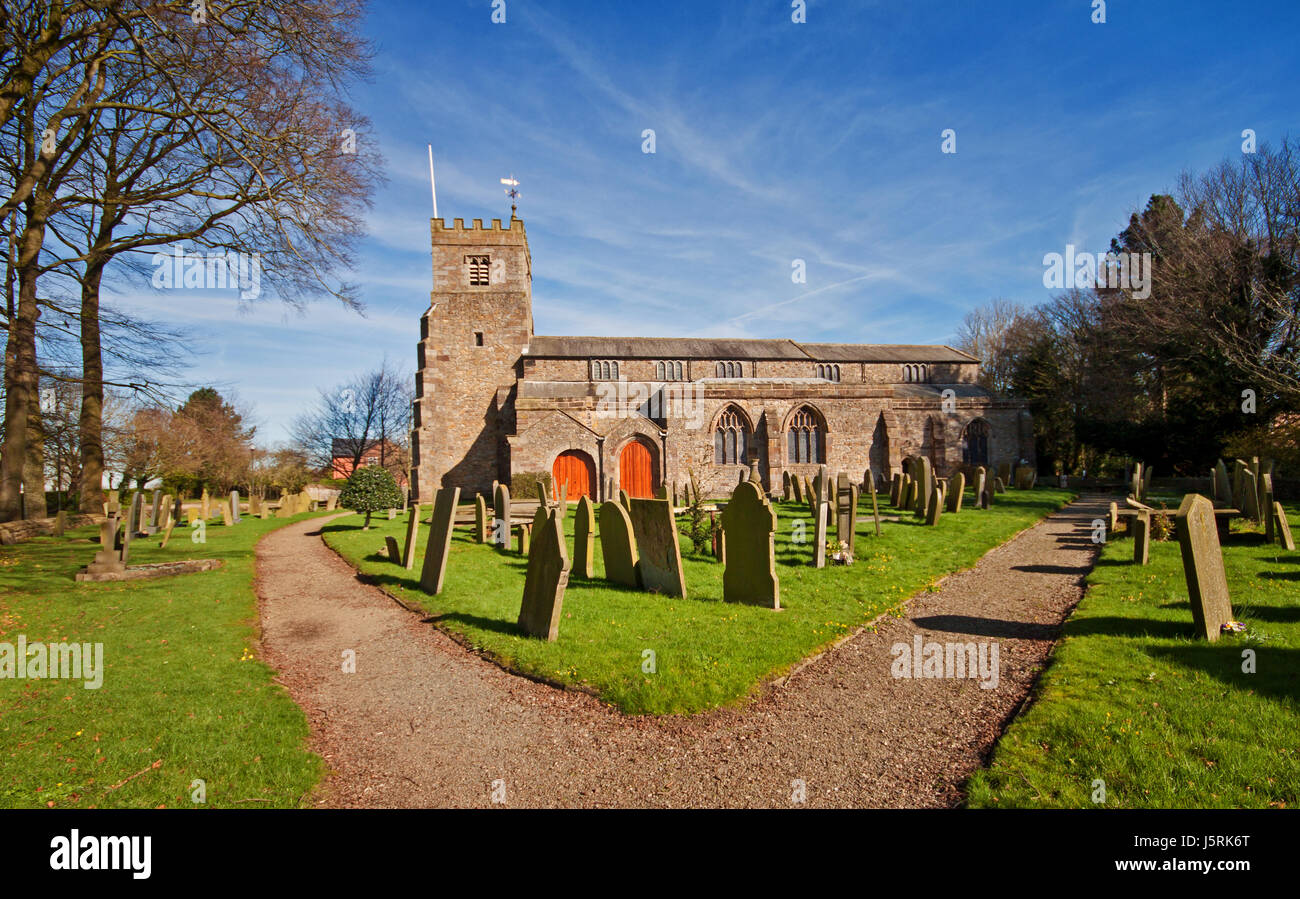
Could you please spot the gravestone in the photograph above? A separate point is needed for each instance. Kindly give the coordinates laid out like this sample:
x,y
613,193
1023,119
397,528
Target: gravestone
x,y
540,517
392,513
205,505
1250,496
846,511
107,560
625,500
165,515
254,504
501,502
610,491
1224,484
658,552
481,519
1266,506
986,498
522,539
542,496
167,533
234,506
981,478
618,545
331,502
137,514
1004,473
1207,584
820,519
1142,538
584,534
796,489
807,492
895,486
924,487
564,496
128,533
786,492
1282,528
393,551
999,486
228,514
60,523
934,507
438,548
1112,523
956,487
548,575
155,507
749,523
875,508
412,534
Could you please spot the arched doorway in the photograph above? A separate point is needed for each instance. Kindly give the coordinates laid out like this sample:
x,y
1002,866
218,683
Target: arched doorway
x,y
975,443
879,455
575,469
636,469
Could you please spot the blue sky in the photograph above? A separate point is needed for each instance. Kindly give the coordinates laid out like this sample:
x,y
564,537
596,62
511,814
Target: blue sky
x,y
775,141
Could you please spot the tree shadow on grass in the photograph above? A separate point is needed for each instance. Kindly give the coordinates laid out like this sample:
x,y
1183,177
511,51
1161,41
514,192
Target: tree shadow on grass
x,y
1079,570
988,627
1283,615
1277,678
1280,575
1115,626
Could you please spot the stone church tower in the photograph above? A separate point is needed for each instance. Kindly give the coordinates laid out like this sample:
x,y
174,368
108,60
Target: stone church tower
x,y
478,325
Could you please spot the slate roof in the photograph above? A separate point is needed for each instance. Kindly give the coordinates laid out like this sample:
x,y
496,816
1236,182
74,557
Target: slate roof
x,y
545,347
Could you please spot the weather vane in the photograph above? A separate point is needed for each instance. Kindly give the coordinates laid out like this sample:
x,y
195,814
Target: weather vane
x,y
511,192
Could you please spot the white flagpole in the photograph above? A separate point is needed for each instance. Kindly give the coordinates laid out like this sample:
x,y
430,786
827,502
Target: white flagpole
x,y
433,185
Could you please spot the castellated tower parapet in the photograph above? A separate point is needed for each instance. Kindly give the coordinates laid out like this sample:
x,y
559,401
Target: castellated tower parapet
x,y
478,324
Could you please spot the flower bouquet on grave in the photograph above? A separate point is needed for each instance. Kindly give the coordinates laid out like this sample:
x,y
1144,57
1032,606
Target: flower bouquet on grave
x,y
839,552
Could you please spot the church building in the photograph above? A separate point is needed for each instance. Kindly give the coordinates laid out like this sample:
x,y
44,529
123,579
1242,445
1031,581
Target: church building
x,y
494,399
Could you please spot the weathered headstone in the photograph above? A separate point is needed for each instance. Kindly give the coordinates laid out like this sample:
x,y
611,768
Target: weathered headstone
x,y
393,551
548,575
846,512
796,489
205,505
625,500
155,507
60,523
934,507
234,506
165,514
522,539
584,533
986,498
107,560
438,548
128,533
1250,496
1266,506
228,514
1207,584
618,545
412,534
481,519
895,486
749,523
658,551
564,497
875,507
924,486
956,487
1282,527
392,513
542,496
981,480
999,486
786,490
1142,538
1224,484
501,525
137,514
820,528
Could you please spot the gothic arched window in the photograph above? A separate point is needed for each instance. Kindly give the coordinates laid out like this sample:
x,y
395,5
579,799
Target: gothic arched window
x,y
806,440
730,439
975,443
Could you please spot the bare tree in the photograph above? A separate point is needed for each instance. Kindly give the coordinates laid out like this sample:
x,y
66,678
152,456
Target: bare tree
x,y
372,411
985,333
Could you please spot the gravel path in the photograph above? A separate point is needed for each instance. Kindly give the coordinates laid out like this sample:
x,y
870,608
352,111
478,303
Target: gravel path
x,y
424,722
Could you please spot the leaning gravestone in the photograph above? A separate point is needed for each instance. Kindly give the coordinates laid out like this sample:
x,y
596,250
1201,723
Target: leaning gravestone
x,y
501,526
392,550
548,575
1142,538
618,545
1207,584
1282,528
956,487
934,507
541,494
439,545
658,552
875,507
625,500
412,534
796,489
750,575
819,534
481,519
584,532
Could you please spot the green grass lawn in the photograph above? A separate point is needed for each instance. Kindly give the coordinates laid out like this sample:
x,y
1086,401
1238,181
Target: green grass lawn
x,y
706,652
180,684
1164,719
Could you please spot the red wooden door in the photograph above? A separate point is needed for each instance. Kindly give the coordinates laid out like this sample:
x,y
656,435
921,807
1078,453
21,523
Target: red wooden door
x,y
636,470
575,468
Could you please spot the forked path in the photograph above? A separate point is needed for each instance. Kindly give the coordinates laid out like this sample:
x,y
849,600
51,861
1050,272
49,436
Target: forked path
x,y
424,722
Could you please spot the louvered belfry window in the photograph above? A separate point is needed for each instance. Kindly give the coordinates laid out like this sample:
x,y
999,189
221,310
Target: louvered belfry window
x,y
479,267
